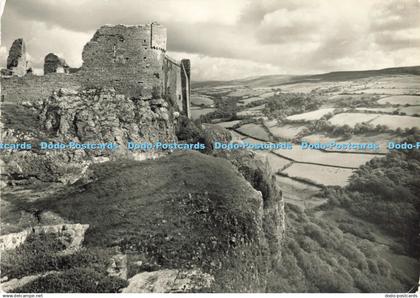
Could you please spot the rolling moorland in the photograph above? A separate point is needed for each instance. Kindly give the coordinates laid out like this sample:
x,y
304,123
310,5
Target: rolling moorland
x,y
213,221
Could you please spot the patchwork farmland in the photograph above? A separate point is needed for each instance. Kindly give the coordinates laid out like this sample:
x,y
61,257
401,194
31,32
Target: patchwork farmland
x,y
375,109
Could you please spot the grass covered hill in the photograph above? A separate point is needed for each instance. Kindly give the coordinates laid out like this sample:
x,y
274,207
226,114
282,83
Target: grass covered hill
x,y
186,210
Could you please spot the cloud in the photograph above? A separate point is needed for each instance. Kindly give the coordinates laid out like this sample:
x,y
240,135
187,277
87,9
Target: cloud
x,y
210,68
288,36
397,39
396,24
42,39
284,26
390,15
84,15
3,54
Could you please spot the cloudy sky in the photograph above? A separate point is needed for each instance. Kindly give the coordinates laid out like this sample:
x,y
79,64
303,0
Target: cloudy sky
x,y
227,39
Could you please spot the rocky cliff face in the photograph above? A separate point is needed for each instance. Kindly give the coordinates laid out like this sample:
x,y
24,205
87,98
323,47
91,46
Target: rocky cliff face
x,y
87,116
186,222
103,116
260,175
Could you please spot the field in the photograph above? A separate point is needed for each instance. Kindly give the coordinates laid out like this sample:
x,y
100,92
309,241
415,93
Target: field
x,y
388,110
401,100
254,111
309,87
277,163
199,100
197,112
319,174
254,130
380,138
286,132
352,119
245,101
314,115
395,122
350,160
384,91
391,121
251,140
228,124
413,110
299,193
236,136
387,100
245,92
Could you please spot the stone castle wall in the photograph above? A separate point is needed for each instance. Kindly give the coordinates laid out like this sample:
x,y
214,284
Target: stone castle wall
x,y
123,57
36,88
172,82
130,59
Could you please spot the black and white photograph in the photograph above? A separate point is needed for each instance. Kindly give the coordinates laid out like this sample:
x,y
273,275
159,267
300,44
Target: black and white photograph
x,y
210,146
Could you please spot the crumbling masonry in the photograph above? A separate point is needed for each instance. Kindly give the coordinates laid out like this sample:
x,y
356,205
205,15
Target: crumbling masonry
x,y
130,59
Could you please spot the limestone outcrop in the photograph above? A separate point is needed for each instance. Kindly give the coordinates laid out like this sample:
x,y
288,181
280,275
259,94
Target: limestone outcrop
x,y
94,116
261,177
15,283
72,234
103,116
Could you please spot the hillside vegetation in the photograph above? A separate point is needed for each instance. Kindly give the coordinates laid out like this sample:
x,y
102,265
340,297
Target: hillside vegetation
x,y
187,210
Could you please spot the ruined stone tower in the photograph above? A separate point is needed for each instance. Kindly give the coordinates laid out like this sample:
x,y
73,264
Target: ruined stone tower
x,y
133,60
16,61
130,59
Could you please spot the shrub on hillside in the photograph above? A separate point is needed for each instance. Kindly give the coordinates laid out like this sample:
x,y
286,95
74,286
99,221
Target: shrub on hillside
x,y
43,252
77,280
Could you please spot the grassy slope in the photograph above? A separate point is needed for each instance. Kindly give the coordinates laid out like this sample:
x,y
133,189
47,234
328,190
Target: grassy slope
x,y
181,211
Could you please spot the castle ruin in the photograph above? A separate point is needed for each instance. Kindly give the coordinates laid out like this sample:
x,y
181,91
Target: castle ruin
x,y
130,59
53,63
16,61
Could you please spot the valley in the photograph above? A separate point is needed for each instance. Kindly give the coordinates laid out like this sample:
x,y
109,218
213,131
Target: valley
x,y
377,109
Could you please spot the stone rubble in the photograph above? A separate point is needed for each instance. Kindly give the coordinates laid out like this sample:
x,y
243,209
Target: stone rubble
x,y
169,281
73,234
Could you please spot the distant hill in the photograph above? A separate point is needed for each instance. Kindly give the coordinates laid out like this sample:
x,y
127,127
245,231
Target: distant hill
x,y
353,75
275,80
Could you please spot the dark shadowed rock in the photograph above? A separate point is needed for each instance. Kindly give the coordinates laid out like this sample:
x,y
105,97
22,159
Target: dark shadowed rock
x,y
55,64
260,175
